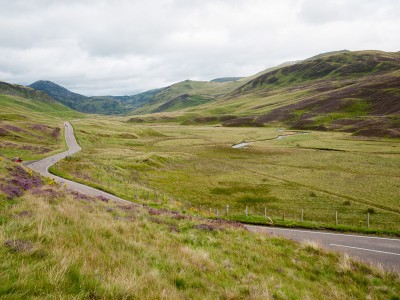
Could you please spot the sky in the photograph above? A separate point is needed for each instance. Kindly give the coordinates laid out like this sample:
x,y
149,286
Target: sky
x,y
122,47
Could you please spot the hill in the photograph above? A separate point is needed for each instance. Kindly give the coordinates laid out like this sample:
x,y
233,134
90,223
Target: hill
x,y
347,91
185,94
31,122
107,105
350,91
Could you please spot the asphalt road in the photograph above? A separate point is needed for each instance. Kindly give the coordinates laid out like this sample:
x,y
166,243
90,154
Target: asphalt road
x,y
370,249
383,251
44,164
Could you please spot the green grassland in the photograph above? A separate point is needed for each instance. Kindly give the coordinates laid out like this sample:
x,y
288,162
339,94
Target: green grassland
x,y
54,244
194,168
32,129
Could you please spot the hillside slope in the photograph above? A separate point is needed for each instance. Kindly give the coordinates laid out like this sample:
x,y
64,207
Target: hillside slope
x,y
185,94
60,244
31,122
355,92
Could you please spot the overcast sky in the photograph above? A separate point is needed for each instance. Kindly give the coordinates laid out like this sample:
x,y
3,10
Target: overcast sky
x,y
118,47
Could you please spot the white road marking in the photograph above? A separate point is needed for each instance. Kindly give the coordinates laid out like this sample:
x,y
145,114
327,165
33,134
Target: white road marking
x,y
344,246
327,233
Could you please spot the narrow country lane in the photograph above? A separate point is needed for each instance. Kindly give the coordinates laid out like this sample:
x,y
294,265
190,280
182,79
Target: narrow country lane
x,y
42,166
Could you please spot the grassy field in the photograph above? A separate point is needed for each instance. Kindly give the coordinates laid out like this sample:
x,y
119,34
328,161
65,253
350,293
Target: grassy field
x,y
194,168
54,244
32,129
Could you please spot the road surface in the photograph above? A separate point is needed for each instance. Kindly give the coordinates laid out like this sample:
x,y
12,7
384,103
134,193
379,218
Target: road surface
x,y
42,166
384,251
370,249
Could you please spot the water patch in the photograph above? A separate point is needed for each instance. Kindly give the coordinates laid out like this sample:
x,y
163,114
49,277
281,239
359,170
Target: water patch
x,y
281,137
241,145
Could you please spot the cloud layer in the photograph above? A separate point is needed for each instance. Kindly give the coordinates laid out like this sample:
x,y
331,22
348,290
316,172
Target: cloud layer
x,y
98,47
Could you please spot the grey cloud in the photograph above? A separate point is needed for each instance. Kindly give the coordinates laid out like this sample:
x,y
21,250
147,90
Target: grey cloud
x,y
122,47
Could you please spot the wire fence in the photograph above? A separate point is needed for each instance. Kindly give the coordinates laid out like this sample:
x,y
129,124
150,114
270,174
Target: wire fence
x,y
327,217
345,216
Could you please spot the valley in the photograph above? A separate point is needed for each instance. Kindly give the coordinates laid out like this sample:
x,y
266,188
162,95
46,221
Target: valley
x,y
311,144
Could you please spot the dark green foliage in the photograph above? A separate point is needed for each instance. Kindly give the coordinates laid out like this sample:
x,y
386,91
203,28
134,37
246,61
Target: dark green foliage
x,y
105,105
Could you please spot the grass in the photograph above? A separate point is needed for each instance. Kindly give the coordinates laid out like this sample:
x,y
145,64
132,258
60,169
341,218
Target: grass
x,y
184,167
69,246
33,128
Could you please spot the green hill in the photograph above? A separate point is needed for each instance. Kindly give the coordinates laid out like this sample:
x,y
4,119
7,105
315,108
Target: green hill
x,y
31,122
355,92
104,105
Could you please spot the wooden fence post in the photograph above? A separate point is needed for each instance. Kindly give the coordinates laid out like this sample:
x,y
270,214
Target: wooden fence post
x,y
302,214
336,219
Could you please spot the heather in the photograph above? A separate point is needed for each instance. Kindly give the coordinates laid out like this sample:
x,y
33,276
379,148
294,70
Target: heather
x,y
60,244
19,181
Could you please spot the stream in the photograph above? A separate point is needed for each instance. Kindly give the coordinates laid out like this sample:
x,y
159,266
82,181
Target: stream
x,y
244,144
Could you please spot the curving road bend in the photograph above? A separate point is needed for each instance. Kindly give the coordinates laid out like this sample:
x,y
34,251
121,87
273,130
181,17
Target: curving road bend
x,y
376,250
42,166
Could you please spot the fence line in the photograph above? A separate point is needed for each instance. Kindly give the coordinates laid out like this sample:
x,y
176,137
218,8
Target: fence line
x,y
270,214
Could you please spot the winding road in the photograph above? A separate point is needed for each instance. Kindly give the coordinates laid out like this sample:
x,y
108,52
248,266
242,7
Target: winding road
x,y
370,249
42,166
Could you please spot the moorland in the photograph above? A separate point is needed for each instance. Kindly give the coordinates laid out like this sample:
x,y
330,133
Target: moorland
x,y
321,137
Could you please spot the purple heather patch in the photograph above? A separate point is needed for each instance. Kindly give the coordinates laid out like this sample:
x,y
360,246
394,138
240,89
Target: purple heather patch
x,y
11,191
3,132
19,182
80,196
102,198
48,193
56,133
13,128
39,127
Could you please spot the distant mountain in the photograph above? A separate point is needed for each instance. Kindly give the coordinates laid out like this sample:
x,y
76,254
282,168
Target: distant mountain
x,y
226,79
357,92
103,105
59,93
185,94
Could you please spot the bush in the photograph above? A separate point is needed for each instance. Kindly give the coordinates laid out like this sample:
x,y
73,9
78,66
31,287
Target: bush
x,y
371,210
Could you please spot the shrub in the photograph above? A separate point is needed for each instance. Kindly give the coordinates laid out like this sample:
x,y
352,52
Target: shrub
x,y
371,210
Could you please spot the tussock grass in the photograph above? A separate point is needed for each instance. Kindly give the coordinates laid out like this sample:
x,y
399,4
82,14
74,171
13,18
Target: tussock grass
x,y
185,167
78,247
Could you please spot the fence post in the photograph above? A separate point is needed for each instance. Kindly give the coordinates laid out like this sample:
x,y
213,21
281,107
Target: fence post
x,y
227,210
265,212
302,213
210,211
283,216
367,220
247,211
217,213
336,218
